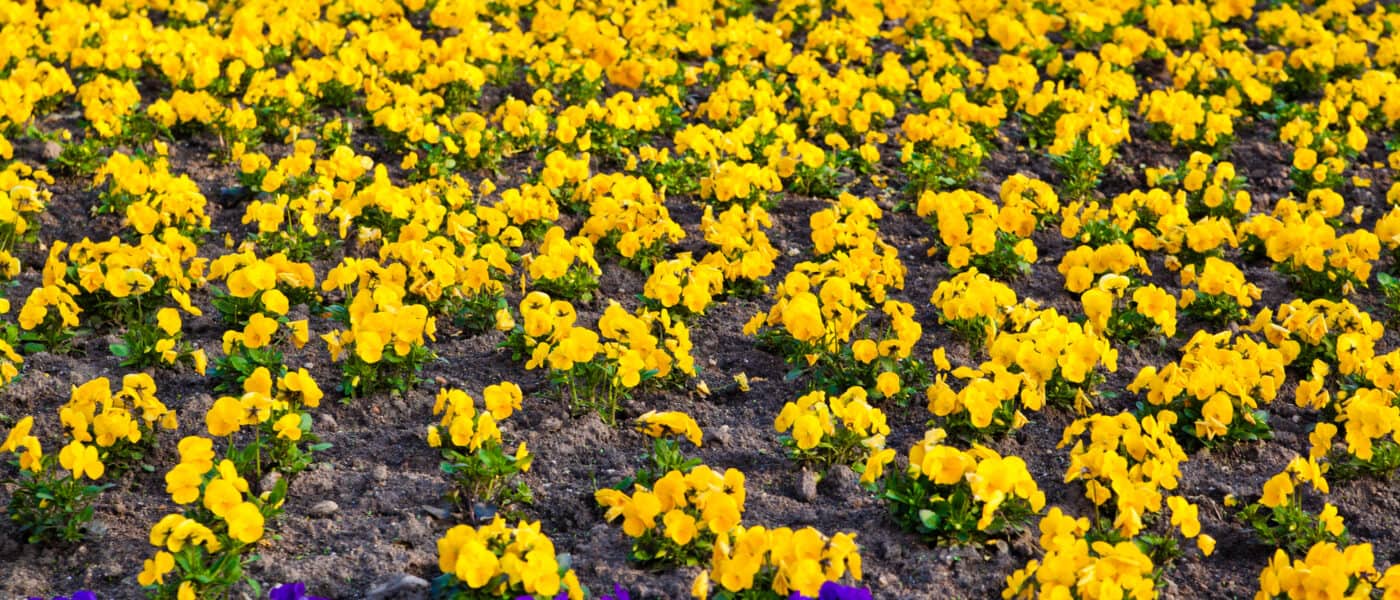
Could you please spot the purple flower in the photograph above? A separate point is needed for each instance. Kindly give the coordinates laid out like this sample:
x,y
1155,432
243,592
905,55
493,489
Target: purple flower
x,y
619,593
78,595
835,591
287,591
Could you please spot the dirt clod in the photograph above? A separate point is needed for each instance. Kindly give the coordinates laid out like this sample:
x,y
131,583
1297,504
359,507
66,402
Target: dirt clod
x,y
841,482
720,436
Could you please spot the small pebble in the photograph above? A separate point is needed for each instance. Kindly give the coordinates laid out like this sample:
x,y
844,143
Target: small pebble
x,y
269,481
323,509
399,586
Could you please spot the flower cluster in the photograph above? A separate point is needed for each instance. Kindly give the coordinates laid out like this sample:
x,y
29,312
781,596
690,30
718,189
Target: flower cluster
x,y
940,151
1320,262
1186,119
1132,462
1209,188
384,344
564,267
974,305
628,216
742,249
598,368
125,287
121,424
977,232
1326,566
1279,517
473,452
202,550
276,410
1121,311
1338,334
679,518
502,562
45,504
1076,567
1219,293
829,430
961,496
828,333
1216,388
778,563
684,286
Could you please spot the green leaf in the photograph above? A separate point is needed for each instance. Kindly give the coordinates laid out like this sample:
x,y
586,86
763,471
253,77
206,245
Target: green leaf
x,y
238,363
930,519
120,350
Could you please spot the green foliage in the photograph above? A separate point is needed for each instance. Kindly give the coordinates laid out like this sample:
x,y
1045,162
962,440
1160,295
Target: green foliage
x,y
942,169
52,505
487,475
1291,527
948,513
1079,170
395,372
665,456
